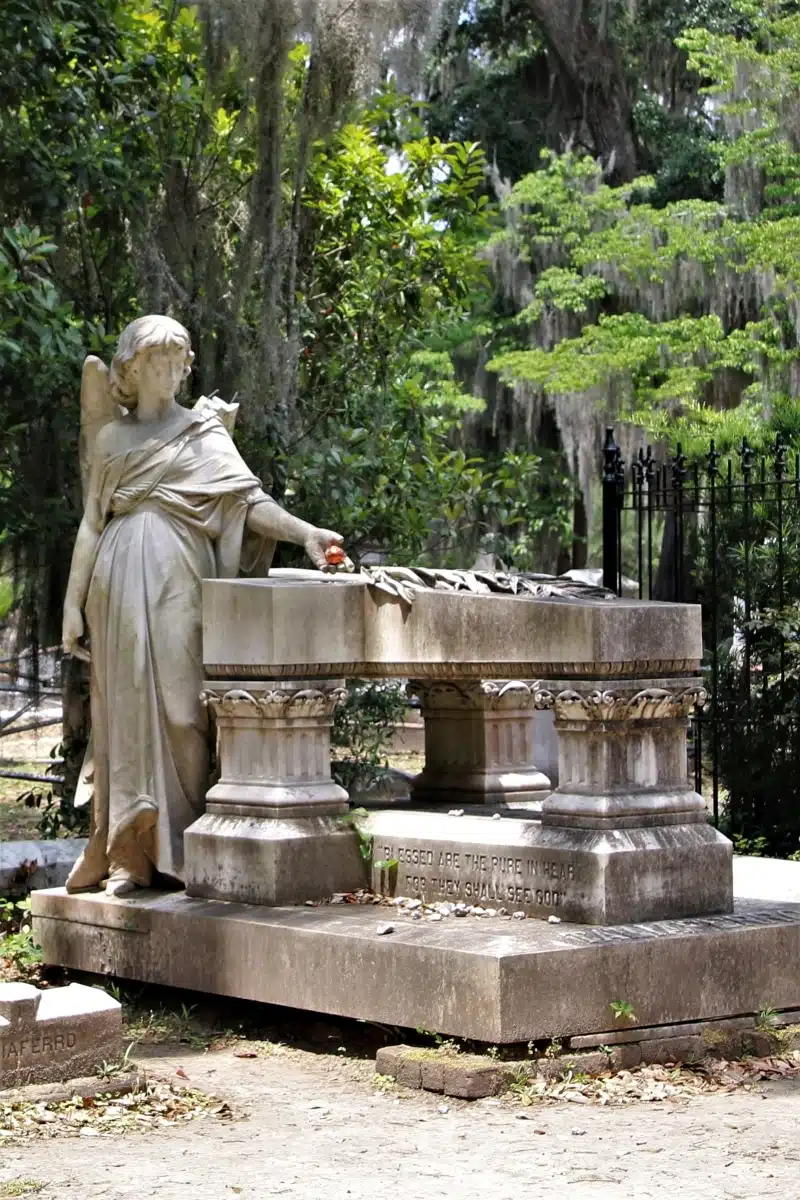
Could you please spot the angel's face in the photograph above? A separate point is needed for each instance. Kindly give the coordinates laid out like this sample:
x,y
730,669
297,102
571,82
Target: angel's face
x,y
158,372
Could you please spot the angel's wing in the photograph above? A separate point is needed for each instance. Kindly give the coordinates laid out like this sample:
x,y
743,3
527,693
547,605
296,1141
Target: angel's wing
x,y
219,408
97,408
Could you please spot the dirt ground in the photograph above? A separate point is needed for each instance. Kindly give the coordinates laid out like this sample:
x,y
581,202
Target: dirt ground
x,y
316,1127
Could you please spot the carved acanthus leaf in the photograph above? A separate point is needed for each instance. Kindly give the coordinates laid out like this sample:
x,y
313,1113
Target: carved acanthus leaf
x,y
275,702
654,703
482,693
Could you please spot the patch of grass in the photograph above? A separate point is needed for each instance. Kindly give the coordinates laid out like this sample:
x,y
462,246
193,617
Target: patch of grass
x,y
20,1187
715,1038
18,823
384,1083
447,1050
156,1026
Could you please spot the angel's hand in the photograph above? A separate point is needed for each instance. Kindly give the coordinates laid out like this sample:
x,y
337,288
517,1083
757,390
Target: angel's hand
x,y
72,632
317,542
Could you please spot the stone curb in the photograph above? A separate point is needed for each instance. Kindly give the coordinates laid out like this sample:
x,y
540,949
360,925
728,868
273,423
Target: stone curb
x,y
474,1076
466,1076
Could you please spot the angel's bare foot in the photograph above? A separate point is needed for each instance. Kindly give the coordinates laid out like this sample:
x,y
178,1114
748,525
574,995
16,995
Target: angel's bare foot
x,y
120,882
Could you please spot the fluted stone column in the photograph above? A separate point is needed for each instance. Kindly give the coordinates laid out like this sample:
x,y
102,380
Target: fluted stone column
x,y
273,832
624,814
479,738
622,754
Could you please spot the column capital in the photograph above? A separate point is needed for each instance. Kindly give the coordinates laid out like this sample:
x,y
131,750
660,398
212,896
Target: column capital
x,y
297,698
634,700
485,694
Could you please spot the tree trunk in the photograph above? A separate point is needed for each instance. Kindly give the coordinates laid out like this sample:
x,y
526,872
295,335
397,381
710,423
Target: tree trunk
x,y
589,64
580,532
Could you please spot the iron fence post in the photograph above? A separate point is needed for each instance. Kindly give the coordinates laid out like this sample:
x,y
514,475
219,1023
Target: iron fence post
x,y
611,515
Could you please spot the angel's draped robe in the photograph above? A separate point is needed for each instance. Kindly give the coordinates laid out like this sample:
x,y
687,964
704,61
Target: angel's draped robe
x,y
173,513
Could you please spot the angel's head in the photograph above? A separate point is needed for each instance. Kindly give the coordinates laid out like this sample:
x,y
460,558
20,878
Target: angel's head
x,y
155,347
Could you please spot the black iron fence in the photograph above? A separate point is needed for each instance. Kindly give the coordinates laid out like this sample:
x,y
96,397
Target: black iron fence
x,y
724,532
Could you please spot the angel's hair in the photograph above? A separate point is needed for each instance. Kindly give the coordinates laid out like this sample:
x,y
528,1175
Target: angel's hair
x,y
146,333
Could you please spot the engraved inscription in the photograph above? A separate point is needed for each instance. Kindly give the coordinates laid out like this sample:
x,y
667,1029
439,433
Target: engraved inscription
x,y
46,1043
747,915
480,878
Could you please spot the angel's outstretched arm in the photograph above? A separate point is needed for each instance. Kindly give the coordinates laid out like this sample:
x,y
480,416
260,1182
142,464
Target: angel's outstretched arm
x,y
269,520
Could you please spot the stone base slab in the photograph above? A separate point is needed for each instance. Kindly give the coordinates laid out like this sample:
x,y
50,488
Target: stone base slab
x,y
598,877
261,860
488,979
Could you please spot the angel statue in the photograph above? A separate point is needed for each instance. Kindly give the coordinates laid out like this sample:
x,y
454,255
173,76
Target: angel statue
x,y
168,502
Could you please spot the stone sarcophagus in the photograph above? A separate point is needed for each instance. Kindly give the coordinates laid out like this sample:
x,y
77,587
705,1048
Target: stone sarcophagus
x,y
624,837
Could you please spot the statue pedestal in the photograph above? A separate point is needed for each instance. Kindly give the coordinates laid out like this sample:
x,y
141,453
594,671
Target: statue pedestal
x,y
273,832
479,739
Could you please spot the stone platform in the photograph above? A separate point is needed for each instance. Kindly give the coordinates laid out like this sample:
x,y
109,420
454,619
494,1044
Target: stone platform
x,y
494,980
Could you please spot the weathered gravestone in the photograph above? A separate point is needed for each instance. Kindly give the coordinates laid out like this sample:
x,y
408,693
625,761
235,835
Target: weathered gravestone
x,y
634,885
60,1033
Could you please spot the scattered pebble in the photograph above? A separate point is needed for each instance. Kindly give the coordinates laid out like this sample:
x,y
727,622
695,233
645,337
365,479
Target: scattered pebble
x,y
577,1132
518,916
382,929
435,916
553,920
496,817
415,907
455,812
443,1108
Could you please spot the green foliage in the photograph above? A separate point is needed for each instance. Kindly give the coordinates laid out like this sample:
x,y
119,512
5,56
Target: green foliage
x,y
622,1010
393,275
6,596
362,727
675,307
681,151
84,93
748,573
17,947
40,352
501,77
